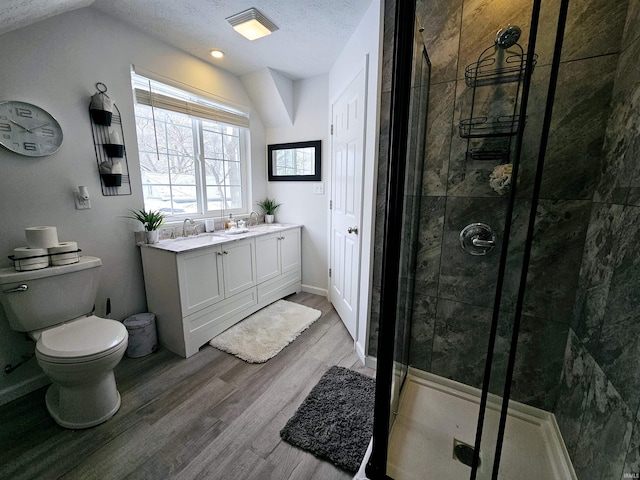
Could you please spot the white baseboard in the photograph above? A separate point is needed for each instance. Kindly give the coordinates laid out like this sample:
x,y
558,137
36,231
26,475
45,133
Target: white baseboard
x,y
360,352
361,475
29,385
315,290
371,362
367,360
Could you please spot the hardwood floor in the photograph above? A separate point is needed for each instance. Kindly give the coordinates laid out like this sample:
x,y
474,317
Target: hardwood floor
x,y
211,416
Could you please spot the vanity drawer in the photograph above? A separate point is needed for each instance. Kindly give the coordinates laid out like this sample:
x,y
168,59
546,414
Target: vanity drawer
x,y
217,318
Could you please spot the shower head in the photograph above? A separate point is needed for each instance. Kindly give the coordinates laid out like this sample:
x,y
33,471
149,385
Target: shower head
x,y
508,36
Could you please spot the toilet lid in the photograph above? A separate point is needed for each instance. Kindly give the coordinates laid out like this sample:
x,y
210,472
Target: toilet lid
x,y
81,338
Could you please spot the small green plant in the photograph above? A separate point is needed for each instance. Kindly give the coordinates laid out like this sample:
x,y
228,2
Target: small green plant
x,y
268,205
151,220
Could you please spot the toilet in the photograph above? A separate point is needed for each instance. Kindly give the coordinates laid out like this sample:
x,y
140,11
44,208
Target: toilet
x,y
76,350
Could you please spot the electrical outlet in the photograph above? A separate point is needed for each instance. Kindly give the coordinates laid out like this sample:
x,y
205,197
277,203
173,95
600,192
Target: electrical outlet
x,y
318,188
82,204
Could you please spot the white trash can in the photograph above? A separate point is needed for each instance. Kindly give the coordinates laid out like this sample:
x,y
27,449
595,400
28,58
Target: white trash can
x,y
143,339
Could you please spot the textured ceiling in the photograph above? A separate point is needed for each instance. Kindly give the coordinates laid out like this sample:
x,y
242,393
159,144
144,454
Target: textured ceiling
x,y
311,32
15,14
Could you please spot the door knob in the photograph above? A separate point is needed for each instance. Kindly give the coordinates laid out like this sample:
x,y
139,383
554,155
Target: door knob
x,y
352,230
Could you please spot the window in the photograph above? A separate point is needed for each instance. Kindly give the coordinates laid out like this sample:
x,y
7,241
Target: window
x,y
191,150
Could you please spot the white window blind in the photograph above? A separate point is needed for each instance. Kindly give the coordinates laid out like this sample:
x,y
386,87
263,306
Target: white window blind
x,y
208,112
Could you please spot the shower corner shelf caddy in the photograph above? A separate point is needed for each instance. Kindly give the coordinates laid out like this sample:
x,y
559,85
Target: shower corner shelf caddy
x,y
501,63
107,153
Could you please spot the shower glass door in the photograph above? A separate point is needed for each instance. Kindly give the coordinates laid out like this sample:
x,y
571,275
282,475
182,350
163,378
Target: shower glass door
x,y
410,221
462,309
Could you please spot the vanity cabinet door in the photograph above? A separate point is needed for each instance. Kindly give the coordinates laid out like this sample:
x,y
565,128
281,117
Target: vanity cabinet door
x,y
289,250
200,279
238,261
268,257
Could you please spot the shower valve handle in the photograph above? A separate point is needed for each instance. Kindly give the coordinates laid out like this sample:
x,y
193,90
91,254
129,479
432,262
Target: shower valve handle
x,y
477,239
478,242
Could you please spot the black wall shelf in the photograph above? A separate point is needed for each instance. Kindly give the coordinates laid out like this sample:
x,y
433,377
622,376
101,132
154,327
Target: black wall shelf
x,y
107,153
497,65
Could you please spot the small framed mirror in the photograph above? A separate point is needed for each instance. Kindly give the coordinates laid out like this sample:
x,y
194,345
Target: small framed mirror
x,y
297,162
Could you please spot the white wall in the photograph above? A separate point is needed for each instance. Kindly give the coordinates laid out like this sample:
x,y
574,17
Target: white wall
x,y
299,202
55,64
312,103
366,41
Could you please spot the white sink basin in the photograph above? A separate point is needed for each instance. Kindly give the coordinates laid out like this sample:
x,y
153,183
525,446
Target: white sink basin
x,y
266,227
186,243
233,231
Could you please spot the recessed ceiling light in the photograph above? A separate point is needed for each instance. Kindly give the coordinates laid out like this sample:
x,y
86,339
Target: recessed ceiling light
x,y
217,53
252,24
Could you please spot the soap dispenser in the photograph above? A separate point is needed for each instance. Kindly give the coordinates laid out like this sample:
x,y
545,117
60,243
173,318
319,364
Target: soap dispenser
x,y
231,222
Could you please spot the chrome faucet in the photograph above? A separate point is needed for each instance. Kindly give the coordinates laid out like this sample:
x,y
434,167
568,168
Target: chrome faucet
x,y
184,226
257,216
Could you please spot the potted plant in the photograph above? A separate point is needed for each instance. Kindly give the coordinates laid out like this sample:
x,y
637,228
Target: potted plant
x,y
151,221
269,207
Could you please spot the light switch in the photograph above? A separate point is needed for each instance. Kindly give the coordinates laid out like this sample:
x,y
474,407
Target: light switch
x,y
318,188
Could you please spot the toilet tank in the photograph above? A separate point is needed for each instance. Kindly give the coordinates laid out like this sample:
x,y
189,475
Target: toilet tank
x,y
52,295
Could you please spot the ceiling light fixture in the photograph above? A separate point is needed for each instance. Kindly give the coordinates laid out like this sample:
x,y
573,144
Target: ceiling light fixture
x,y
252,24
217,53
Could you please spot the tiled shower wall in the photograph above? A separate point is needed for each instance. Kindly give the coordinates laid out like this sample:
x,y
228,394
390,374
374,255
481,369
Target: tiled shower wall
x,y
582,304
454,291
598,405
584,273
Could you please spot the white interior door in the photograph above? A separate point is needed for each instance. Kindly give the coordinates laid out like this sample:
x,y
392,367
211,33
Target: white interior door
x,y
347,157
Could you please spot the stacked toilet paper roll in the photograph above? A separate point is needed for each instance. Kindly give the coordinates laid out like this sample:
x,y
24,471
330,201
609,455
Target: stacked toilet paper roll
x,y
26,258
44,249
65,253
41,237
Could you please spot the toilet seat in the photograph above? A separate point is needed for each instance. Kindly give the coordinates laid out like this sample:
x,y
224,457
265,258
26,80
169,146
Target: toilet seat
x,y
83,340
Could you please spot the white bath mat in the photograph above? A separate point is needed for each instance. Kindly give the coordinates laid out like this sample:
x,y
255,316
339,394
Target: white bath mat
x,y
261,336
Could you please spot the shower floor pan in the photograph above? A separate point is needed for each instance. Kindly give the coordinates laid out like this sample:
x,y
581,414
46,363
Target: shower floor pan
x,y
435,412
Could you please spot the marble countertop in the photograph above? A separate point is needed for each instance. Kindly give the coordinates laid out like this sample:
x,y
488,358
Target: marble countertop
x,y
204,240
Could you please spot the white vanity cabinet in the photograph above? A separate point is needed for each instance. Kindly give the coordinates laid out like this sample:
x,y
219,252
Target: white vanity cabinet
x,y
290,254
199,278
239,266
278,257
268,262
277,254
197,294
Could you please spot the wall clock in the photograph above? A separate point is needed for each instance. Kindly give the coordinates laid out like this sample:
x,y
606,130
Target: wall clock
x,y
28,129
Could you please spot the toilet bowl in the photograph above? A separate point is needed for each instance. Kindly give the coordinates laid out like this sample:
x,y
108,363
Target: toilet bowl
x,y
79,357
78,351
